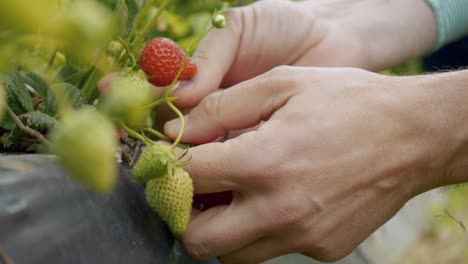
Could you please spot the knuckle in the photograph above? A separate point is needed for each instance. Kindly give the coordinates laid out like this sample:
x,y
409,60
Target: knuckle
x,y
282,80
211,104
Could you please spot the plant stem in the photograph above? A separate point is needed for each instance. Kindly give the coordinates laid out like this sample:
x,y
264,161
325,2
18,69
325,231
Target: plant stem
x,y
87,88
133,133
138,18
192,48
161,9
195,44
161,101
127,51
157,134
25,128
182,125
169,89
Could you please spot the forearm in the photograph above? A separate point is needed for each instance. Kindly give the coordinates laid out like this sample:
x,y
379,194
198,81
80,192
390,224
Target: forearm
x,y
388,32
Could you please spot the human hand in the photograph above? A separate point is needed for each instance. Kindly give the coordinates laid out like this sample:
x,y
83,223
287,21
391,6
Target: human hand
x,y
362,34
340,151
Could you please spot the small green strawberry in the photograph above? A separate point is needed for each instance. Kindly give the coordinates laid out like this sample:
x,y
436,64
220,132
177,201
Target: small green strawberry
x,y
171,197
128,98
84,144
219,21
155,161
114,48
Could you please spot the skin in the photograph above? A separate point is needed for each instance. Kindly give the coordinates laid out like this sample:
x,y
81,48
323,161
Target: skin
x,y
338,153
335,152
365,34
325,155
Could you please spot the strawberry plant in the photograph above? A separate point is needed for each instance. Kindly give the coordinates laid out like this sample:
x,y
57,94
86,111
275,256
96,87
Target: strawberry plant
x,y
52,55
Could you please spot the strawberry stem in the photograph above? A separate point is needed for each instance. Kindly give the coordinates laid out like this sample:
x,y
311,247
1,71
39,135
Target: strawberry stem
x,y
184,62
157,134
182,125
122,59
133,133
160,102
169,89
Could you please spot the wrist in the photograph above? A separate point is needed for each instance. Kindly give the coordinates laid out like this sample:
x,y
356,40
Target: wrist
x,y
386,32
437,107
448,93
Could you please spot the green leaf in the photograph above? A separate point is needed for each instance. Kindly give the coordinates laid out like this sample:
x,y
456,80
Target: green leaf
x,y
35,82
70,74
7,122
35,120
19,98
42,88
75,96
122,13
88,84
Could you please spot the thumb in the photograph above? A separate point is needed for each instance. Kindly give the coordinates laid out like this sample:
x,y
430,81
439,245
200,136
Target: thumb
x,y
214,57
242,106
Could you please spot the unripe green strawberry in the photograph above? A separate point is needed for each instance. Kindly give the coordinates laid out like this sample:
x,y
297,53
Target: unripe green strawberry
x,y
84,144
171,197
114,48
128,98
219,21
155,161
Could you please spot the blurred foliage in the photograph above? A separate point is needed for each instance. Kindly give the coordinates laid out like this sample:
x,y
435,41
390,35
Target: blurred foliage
x,y
412,67
446,239
54,52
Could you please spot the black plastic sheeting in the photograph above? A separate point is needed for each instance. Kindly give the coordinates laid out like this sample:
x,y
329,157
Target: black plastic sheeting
x,y
45,217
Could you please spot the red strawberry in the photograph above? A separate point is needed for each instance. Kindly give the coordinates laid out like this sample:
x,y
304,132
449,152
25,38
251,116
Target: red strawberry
x,y
162,58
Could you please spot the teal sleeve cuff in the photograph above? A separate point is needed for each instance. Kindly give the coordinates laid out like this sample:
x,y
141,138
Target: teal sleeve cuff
x,y
452,20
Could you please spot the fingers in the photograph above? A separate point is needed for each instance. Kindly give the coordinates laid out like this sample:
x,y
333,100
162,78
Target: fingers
x,y
218,167
105,83
214,57
242,106
223,229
